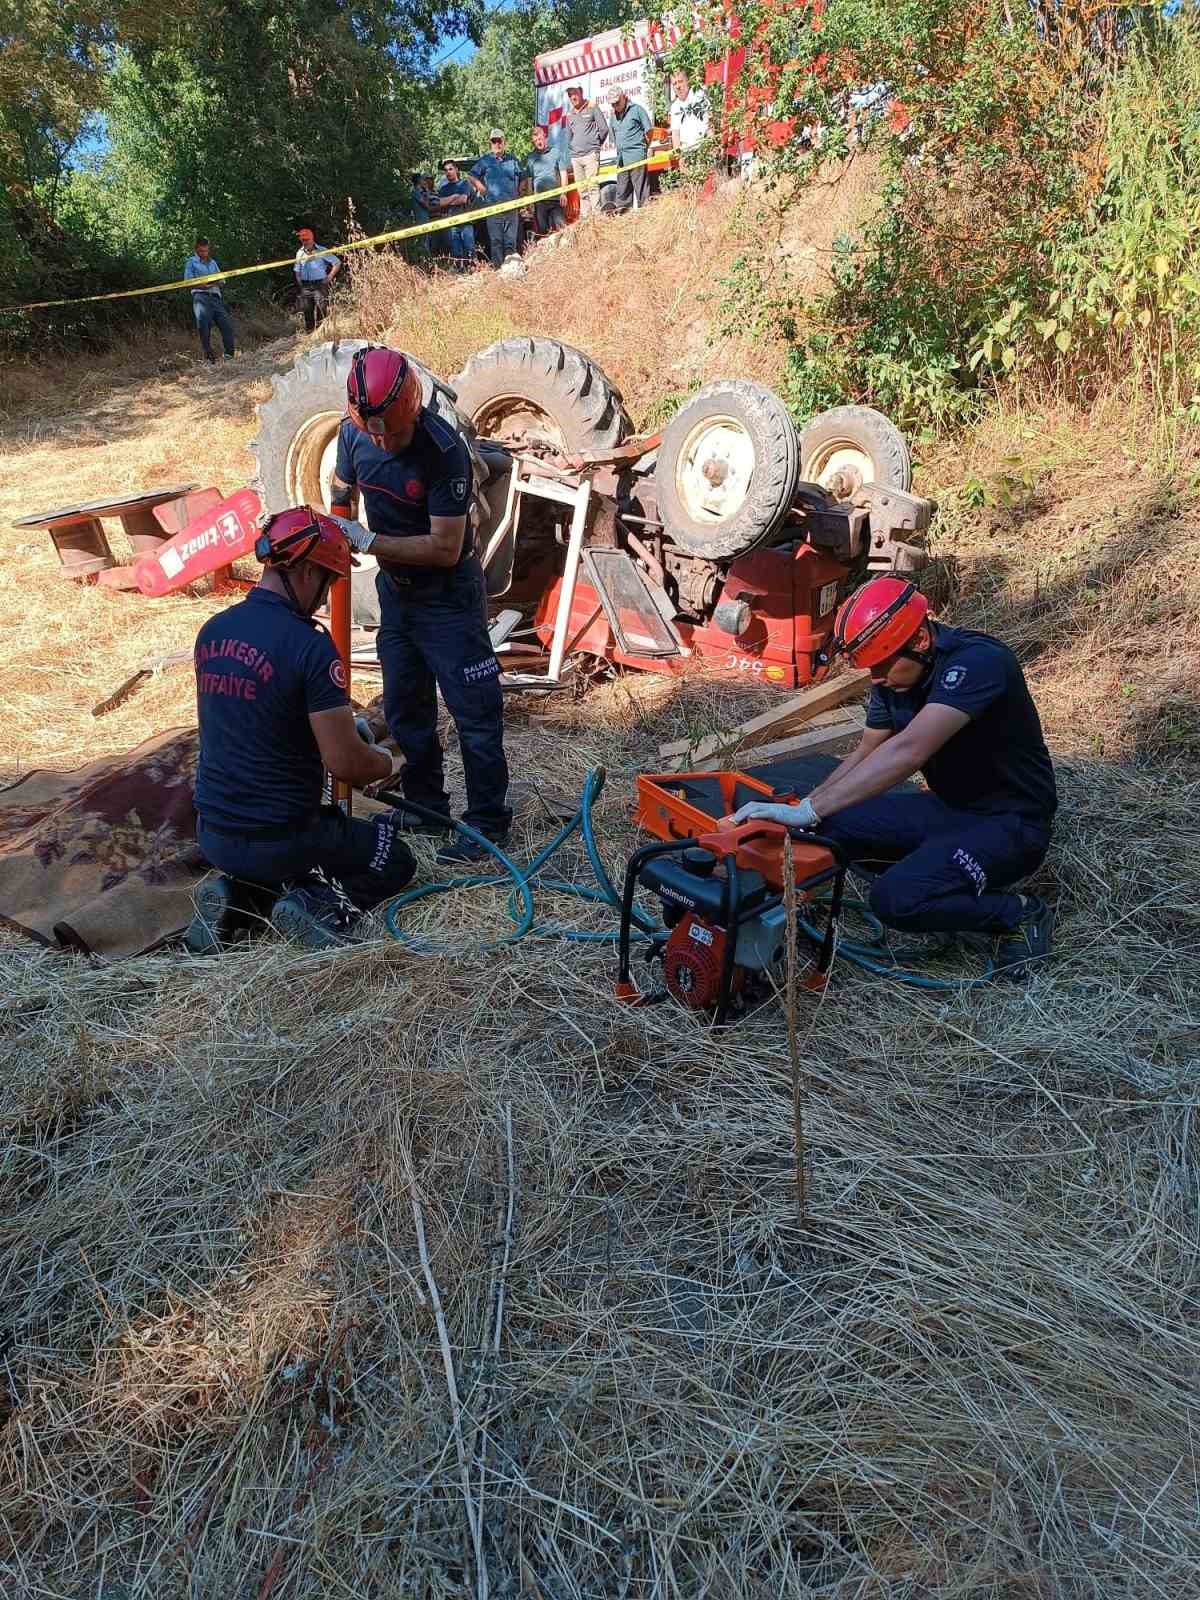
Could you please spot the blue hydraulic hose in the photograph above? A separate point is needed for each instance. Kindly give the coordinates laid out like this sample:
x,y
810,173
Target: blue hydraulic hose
x,y
520,904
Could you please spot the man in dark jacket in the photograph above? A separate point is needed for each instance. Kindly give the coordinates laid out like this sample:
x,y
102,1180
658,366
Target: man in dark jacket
x,y
414,472
274,717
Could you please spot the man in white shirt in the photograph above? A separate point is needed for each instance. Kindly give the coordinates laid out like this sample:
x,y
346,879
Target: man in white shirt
x,y
314,274
207,305
689,113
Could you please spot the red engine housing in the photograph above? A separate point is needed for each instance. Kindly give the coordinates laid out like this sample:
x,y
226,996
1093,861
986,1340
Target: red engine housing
x,y
793,594
692,959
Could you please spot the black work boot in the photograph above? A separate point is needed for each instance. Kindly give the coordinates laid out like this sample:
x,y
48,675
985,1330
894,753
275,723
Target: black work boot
x,y
409,822
464,852
1026,948
316,917
222,908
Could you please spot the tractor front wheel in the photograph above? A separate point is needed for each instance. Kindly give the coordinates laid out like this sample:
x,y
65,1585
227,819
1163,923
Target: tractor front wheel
x,y
727,470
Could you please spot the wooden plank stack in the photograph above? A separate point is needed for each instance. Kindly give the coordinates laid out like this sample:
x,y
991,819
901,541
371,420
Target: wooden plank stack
x,y
820,710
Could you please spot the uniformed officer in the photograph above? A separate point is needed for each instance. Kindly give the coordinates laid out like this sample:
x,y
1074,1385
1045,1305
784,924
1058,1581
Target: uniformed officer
x,y
413,470
274,715
954,705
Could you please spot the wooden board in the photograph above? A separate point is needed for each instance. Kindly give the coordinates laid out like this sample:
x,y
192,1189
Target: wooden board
x,y
680,747
786,717
816,742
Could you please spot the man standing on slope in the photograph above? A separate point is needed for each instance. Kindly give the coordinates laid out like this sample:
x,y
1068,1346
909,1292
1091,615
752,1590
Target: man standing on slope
x,y
274,716
207,305
414,472
497,178
587,132
314,274
630,127
952,704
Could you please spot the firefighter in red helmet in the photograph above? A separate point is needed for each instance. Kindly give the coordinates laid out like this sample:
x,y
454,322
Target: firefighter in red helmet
x,y
953,705
413,470
274,716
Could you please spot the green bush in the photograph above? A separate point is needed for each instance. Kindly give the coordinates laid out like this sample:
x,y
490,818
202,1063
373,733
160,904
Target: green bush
x,y
1041,210
1121,294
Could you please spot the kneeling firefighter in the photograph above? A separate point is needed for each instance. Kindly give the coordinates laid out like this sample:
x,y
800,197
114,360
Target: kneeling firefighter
x,y
274,715
413,469
954,705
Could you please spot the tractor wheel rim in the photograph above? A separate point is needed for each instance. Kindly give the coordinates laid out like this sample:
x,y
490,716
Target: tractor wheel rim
x,y
311,459
840,458
714,468
513,419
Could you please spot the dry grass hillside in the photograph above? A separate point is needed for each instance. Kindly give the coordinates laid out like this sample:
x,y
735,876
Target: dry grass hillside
x,y
228,1189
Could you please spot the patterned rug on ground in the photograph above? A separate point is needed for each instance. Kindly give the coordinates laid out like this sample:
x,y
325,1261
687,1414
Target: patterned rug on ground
x,y
103,859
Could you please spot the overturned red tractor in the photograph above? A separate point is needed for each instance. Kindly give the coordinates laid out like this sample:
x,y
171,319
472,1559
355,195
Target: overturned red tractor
x,y
726,541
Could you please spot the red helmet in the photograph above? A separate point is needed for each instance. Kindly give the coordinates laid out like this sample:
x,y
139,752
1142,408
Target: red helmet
x,y
879,619
303,534
383,392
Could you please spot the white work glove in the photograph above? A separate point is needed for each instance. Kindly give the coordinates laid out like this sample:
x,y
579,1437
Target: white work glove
x,y
799,815
365,731
361,539
395,763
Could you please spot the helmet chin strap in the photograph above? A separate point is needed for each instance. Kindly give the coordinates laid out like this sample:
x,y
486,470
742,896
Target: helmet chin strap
x,y
318,599
923,658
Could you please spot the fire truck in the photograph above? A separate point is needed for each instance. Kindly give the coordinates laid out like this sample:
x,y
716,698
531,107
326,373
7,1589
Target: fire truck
x,y
619,58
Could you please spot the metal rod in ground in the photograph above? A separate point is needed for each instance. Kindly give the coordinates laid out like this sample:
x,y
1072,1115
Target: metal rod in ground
x,y
789,904
474,1525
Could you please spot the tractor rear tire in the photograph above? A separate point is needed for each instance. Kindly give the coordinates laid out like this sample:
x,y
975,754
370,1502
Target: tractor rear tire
x,y
864,443
298,426
727,470
531,393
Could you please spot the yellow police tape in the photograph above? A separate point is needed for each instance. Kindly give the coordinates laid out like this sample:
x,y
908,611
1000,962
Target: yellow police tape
x,y
462,219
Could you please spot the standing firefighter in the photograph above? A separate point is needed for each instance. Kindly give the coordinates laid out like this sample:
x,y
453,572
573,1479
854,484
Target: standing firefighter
x,y
414,472
952,704
274,715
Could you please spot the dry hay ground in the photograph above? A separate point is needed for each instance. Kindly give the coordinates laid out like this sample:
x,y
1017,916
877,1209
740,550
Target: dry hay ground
x,y
973,1375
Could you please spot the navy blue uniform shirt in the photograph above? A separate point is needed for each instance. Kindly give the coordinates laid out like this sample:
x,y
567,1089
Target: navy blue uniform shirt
x,y
431,477
999,761
261,668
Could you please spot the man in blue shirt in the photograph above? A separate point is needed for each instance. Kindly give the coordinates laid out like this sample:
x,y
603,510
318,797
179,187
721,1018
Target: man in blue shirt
x,y
953,705
414,472
207,305
547,168
456,197
629,125
274,716
314,276
497,177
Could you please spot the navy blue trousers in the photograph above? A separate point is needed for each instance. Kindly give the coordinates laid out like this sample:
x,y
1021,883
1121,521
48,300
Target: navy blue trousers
x,y
433,635
367,855
952,868
503,234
